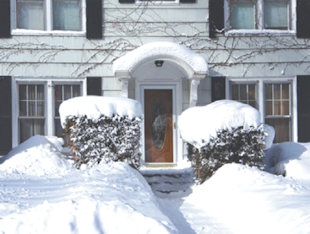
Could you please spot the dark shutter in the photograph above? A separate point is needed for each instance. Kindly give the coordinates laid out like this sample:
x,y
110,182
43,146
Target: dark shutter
x,y
5,115
218,88
303,18
94,19
303,108
94,86
5,19
216,17
187,1
126,1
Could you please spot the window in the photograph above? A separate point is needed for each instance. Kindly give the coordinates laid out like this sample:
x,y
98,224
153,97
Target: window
x,y
31,111
277,110
245,93
49,14
38,105
259,14
62,93
275,103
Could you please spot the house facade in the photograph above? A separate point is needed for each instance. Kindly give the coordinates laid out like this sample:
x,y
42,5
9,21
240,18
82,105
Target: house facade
x,y
168,54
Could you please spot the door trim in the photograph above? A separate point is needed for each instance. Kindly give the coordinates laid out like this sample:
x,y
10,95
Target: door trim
x,y
176,108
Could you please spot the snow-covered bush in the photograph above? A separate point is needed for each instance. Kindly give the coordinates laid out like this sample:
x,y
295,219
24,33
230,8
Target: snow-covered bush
x,y
239,145
223,132
101,129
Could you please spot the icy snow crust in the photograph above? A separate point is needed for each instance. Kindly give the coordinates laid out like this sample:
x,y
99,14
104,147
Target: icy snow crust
x,y
95,106
105,199
158,50
199,124
115,198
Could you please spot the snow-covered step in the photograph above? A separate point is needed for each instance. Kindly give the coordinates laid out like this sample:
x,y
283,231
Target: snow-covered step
x,y
170,181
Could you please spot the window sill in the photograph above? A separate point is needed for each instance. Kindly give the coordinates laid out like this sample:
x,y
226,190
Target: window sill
x,y
29,32
257,32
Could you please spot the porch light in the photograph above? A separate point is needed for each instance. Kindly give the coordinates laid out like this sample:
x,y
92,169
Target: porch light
x,y
159,63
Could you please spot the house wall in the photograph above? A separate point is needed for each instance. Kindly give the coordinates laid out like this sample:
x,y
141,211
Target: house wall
x,y
128,26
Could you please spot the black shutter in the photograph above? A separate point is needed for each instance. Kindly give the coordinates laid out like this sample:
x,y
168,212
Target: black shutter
x,y
303,108
94,86
94,19
187,1
216,17
303,19
5,19
218,85
126,1
5,115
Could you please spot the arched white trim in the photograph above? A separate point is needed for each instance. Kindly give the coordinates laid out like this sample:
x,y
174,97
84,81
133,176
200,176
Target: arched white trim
x,y
193,64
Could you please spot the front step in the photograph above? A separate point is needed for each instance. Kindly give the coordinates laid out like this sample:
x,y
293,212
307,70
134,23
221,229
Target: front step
x,y
170,181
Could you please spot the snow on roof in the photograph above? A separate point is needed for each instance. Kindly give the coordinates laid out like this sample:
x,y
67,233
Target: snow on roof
x,y
95,106
199,124
161,50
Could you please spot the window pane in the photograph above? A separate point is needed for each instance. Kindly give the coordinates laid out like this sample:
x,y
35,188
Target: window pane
x,y
277,108
243,92
285,91
268,91
235,92
276,91
285,108
276,14
30,14
66,15
268,107
23,108
58,92
40,108
58,128
31,92
40,92
282,128
29,128
252,92
67,92
242,15
22,92
76,90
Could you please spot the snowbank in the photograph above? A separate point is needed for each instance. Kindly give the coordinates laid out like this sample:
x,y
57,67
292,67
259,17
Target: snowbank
x,y
95,106
199,124
41,193
240,199
37,156
289,159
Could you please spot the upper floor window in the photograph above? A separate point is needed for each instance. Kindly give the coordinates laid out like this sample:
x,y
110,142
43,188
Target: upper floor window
x,y
49,14
259,14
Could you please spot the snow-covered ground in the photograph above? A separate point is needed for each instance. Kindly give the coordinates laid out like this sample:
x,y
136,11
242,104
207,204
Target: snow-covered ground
x,y
40,192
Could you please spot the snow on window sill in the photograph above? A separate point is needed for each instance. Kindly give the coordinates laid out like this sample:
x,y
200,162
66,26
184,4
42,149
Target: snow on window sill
x,y
257,32
29,32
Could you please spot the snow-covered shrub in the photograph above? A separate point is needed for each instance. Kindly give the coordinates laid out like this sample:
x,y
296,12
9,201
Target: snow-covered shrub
x,y
222,132
107,139
101,129
239,145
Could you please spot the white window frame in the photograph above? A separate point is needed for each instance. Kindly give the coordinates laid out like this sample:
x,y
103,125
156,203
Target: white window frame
x,y
48,14
260,82
259,20
48,83
157,2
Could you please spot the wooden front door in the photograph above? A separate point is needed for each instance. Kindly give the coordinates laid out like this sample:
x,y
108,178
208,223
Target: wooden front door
x,y
158,125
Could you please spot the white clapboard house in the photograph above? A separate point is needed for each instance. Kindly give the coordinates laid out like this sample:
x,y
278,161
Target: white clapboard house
x,y
168,54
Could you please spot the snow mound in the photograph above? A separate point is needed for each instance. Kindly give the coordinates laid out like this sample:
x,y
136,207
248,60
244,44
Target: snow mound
x,y
106,199
95,106
199,124
159,50
289,159
247,200
37,156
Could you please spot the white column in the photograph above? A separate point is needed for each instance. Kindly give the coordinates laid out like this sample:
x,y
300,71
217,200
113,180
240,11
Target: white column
x,y
124,87
193,95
